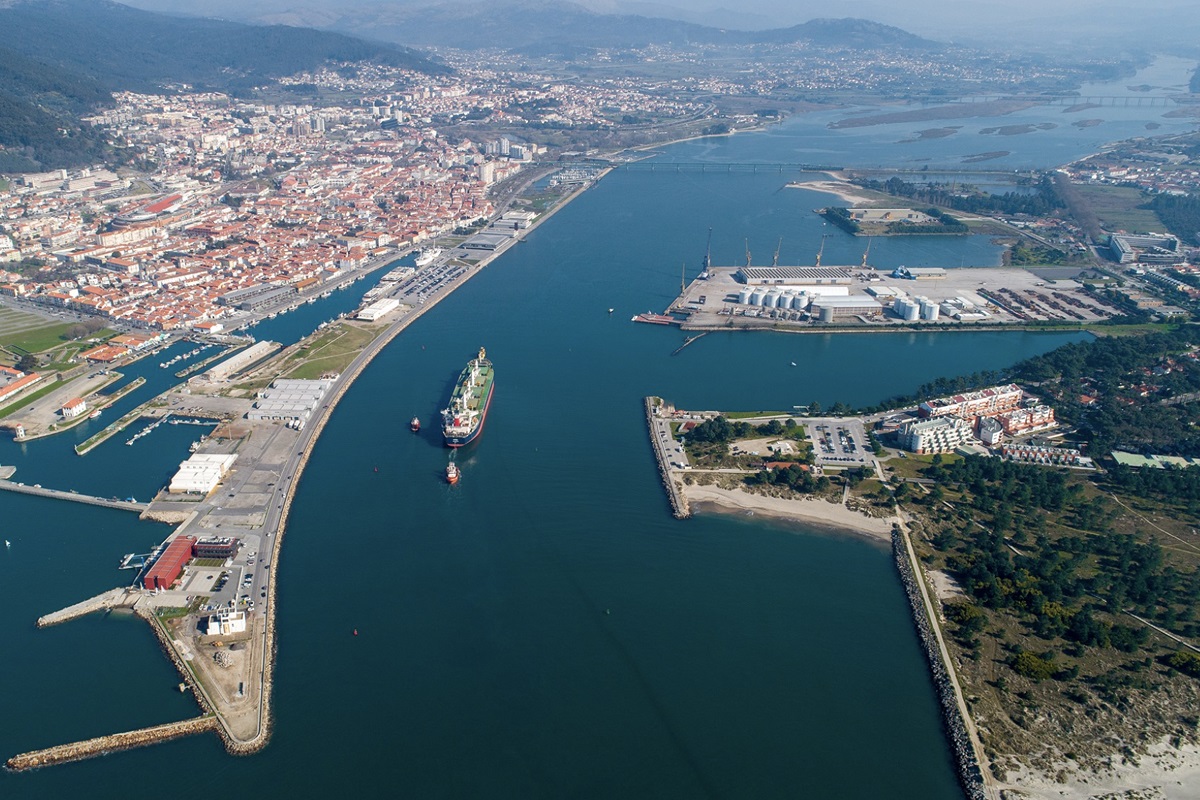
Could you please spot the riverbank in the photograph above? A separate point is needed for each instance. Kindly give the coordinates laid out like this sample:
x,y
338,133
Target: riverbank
x,y
269,640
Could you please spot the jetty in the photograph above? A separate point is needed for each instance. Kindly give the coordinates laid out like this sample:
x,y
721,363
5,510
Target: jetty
x,y
660,434
76,497
89,748
113,598
688,341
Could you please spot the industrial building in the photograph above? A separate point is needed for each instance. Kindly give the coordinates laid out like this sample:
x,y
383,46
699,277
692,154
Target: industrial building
x,y
170,562
1154,249
828,309
793,276
378,309
241,361
942,435
201,473
290,399
985,402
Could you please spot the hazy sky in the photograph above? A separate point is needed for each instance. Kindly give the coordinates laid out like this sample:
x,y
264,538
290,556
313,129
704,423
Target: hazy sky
x,y
1064,22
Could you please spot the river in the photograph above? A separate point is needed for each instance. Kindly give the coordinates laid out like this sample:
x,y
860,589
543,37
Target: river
x,y
545,628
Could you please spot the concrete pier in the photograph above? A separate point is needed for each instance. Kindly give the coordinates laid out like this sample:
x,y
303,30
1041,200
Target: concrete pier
x,y
77,751
660,433
58,494
113,598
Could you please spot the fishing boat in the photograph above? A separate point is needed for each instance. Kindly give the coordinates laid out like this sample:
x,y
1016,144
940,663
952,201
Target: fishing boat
x,y
414,425
463,418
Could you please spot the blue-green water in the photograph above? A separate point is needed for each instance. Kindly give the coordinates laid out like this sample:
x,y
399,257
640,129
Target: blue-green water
x,y
545,628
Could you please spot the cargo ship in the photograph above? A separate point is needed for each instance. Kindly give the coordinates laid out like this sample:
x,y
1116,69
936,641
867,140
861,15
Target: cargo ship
x,y
463,418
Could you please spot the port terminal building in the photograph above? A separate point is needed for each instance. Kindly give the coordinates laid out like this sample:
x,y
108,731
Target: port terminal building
x,y
167,568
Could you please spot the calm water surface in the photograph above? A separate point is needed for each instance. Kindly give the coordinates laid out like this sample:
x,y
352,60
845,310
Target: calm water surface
x,y
545,628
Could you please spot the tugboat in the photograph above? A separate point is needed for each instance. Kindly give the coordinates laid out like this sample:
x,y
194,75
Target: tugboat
x,y
414,425
451,473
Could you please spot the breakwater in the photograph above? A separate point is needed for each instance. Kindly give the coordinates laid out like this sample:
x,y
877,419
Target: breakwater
x,y
75,497
963,745
113,598
102,745
659,430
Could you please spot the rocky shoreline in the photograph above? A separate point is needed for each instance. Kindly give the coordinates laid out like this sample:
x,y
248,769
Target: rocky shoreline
x,y
970,775
102,745
678,499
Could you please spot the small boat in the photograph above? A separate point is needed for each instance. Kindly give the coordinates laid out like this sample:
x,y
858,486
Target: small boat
x,y
356,631
451,473
94,414
793,363
415,425
7,544
611,310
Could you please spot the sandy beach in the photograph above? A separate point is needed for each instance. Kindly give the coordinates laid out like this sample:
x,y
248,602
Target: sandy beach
x,y
846,192
1164,772
816,512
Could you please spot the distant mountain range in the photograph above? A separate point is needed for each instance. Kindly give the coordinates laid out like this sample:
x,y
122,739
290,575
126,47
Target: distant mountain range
x,y
545,27
61,58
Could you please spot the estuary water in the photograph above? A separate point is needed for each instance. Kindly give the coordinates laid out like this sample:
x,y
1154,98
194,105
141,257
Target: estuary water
x,y
545,628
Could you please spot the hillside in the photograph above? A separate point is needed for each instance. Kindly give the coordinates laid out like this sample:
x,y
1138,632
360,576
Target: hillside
x,y
60,59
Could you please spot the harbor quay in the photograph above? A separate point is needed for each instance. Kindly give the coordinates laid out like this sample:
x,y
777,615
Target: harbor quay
x,y
209,591
864,299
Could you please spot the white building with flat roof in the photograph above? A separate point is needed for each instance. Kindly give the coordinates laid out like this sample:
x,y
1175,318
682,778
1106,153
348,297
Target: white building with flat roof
x,y
201,473
226,623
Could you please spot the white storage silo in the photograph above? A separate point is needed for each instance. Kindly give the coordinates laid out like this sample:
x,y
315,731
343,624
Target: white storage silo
x,y
912,312
756,297
771,299
744,295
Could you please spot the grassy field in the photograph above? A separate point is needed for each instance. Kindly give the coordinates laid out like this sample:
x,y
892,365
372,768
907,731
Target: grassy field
x,y
1117,208
332,351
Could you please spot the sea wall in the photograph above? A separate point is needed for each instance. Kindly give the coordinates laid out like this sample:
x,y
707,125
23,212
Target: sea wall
x,y
969,773
101,745
679,502
113,598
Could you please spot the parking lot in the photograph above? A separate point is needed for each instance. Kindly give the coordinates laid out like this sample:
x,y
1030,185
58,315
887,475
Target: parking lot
x,y
839,443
